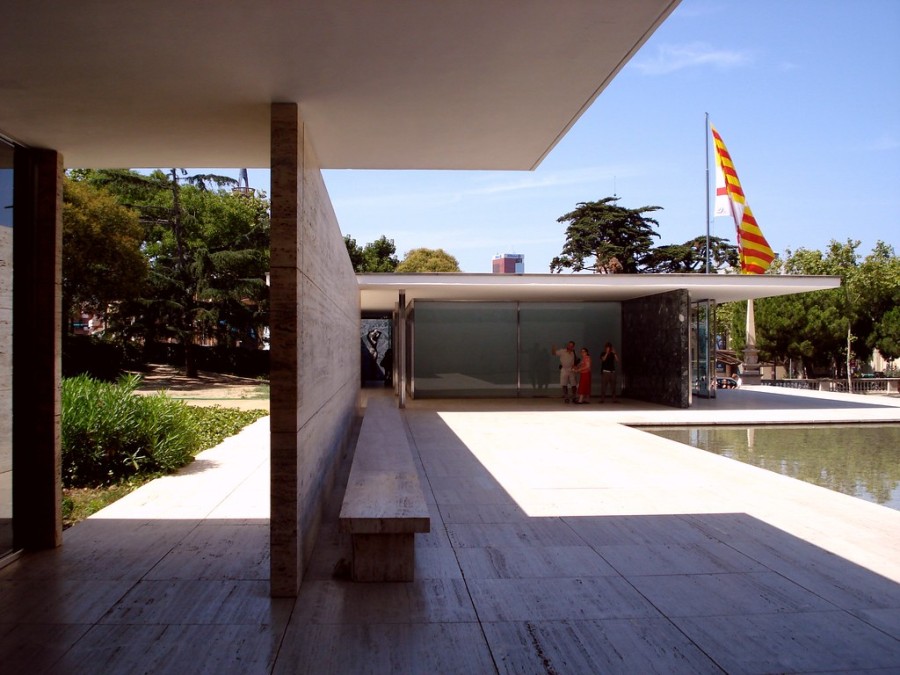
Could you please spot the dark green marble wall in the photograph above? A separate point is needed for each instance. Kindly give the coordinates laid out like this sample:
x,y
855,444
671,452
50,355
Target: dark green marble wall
x,y
655,349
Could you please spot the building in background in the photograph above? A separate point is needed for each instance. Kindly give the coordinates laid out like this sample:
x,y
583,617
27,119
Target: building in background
x,y
508,263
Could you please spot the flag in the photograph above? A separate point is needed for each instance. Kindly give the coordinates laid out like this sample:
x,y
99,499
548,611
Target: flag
x,y
755,253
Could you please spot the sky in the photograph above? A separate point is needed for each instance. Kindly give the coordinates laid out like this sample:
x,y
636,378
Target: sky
x,y
806,97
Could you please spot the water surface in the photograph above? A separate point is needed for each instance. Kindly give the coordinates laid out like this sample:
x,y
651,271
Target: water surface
x,y
858,460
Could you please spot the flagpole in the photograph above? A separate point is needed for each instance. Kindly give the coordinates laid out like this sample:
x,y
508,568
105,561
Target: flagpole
x,y
706,135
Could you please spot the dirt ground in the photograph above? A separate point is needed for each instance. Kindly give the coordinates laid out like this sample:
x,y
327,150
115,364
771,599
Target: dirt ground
x,y
207,388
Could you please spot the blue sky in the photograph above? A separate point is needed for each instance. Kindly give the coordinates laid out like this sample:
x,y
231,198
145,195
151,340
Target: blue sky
x,y
806,96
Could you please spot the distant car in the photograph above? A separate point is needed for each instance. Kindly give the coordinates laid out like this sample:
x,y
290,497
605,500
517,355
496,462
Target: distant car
x,y
726,383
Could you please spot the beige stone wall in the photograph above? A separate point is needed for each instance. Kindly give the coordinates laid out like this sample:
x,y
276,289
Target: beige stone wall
x,y
315,348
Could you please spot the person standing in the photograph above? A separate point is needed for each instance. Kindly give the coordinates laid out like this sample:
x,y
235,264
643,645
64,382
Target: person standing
x,y
583,369
567,378
608,362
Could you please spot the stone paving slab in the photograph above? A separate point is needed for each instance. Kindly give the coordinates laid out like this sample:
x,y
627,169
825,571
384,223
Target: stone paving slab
x,y
562,541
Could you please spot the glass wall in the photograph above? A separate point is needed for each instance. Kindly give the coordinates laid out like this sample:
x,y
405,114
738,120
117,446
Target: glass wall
x,y
464,349
703,366
543,325
501,349
6,279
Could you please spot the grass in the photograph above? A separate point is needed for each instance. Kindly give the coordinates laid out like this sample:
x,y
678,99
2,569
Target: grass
x,y
260,392
79,503
214,424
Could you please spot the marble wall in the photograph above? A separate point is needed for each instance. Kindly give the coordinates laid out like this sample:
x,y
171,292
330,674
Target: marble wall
x,y
655,348
315,358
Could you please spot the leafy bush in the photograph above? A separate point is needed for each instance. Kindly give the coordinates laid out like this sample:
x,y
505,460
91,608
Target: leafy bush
x,y
212,425
109,433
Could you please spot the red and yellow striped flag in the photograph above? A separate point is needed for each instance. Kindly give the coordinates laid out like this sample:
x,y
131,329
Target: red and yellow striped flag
x,y
755,253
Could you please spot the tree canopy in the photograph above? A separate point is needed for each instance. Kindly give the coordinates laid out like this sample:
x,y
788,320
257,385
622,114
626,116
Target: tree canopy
x,y
207,253
606,238
102,258
886,334
691,256
428,260
824,331
376,256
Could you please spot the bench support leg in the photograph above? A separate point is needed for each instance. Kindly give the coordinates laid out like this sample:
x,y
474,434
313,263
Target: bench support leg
x,y
383,557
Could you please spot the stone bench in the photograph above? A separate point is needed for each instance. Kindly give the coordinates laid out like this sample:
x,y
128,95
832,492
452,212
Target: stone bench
x,y
384,506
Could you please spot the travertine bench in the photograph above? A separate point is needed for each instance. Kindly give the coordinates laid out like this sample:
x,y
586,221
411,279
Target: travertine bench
x,y
384,505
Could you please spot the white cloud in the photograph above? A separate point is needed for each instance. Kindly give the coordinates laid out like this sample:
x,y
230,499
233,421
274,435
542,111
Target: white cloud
x,y
460,188
551,179
672,58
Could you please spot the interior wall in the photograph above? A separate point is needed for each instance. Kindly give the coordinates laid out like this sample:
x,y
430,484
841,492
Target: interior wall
x,y
315,360
655,348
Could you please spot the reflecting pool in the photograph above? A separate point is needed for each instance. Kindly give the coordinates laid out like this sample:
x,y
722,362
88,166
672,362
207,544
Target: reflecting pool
x,y
861,460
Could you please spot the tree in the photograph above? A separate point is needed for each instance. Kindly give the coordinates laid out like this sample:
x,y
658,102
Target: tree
x,y
799,328
428,260
606,238
887,335
811,327
376,256
355,252
879,288
379,255
102,259
691,256
828,329
731,326
230,262
208,257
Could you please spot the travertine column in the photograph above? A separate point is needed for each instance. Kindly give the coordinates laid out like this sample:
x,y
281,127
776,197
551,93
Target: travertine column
x,y
37,321
314,316
286,198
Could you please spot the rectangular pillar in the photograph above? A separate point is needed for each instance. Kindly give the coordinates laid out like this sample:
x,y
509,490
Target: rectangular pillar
x,y
286,198
37,335
315,355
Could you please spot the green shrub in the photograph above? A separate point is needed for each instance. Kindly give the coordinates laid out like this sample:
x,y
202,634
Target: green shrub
x,y
110,433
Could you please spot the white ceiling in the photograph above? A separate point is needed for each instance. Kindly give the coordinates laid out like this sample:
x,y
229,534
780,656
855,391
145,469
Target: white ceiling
x,y
380,292
401,84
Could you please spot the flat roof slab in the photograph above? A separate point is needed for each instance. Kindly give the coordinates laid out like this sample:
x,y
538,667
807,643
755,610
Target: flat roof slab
x,y
472,84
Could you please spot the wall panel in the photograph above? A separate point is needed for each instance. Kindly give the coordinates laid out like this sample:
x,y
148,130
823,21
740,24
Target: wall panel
x,y
315,348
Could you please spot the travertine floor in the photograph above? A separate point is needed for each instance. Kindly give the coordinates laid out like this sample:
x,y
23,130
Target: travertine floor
x,y
562,542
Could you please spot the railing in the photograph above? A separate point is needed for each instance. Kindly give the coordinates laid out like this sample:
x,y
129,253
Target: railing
x,y
861,385
793,384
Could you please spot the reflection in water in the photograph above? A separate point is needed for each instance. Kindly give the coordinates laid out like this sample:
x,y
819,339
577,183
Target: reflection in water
x,y
862,460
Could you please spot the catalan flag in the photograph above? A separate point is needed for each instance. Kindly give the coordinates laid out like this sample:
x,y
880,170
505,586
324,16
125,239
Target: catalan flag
x,y
755,253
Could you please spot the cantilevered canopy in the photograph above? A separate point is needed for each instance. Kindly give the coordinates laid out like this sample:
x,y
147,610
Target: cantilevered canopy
x,y
397,84
380,292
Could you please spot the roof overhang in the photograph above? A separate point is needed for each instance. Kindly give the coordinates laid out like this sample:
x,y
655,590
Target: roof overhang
x,y
399,84
380,292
